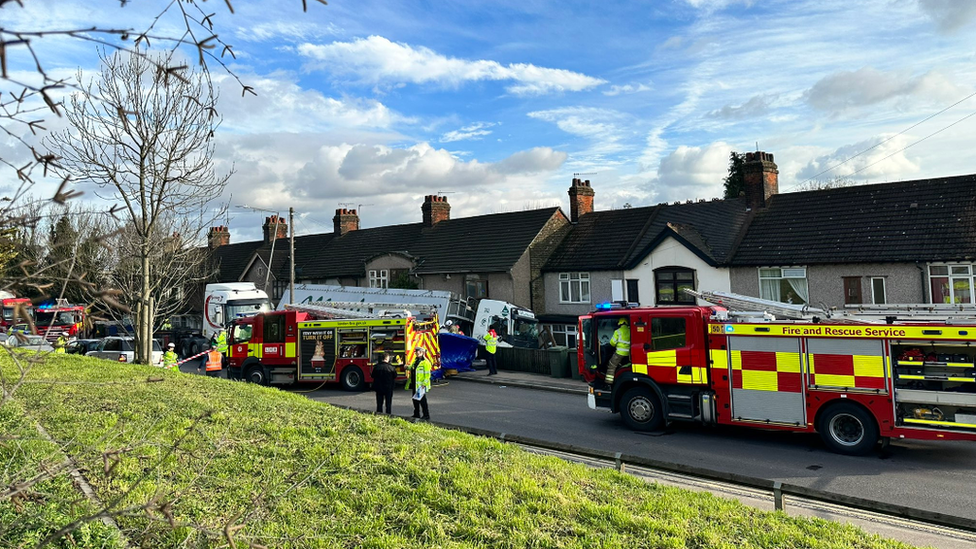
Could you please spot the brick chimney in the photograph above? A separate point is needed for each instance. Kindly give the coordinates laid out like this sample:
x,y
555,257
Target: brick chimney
x,y
345,221
435,209
580,199
761,178
218,236
274,228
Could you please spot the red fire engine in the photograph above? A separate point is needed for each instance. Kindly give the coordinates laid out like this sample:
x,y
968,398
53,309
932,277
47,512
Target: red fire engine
x,y
307,344
51,319
853,381
16,311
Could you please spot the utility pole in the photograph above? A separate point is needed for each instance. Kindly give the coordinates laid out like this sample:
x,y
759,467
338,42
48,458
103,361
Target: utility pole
x,y
291,255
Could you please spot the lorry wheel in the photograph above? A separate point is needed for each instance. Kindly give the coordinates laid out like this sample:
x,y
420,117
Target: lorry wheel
x,y
256,374
195,349
848,429
641,409
352,379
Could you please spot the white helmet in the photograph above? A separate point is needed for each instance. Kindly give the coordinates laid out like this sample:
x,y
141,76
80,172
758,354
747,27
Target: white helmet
x,y
171,346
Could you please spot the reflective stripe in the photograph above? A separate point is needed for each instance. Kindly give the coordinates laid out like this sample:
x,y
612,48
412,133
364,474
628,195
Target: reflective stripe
x,y
214,361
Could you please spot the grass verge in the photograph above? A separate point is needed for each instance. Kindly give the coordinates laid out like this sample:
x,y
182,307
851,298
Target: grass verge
x,y
200,462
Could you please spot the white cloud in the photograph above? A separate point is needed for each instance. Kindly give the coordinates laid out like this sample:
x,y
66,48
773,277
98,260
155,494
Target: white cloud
x,y
692,172
845,90
473,131
605,128
886,160
627,89
949,15
756,106
375,60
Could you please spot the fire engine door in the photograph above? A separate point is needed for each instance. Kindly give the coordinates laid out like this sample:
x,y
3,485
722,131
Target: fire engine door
x,y
766,380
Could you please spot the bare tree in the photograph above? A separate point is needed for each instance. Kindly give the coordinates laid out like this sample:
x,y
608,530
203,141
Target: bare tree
x,y
144,137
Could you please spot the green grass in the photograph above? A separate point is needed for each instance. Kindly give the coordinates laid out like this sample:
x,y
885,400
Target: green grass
x,y
296,473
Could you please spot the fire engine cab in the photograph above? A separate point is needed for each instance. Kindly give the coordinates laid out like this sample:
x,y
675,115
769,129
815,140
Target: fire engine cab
x,y
853,381
315,344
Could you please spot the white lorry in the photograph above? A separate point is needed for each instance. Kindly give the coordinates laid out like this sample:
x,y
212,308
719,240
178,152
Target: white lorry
x,y
515,326
224,302
448,306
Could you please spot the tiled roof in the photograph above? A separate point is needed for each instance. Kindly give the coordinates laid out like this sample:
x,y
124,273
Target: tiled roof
x,y
922,220
231,259
487,243
620,239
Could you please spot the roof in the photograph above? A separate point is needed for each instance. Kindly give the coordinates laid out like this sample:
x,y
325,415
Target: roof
x,y
621,239
230,259
921,220
486,243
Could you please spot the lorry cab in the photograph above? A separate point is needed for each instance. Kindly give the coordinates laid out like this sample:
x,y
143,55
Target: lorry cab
x,y
514,325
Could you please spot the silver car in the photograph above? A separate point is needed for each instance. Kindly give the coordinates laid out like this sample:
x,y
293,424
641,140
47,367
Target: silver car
x,y
26,341
122,349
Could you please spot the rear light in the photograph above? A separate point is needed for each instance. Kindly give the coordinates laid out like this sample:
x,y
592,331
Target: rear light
x,y
122,358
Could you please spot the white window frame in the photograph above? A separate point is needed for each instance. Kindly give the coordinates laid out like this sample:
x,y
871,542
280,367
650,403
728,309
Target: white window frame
x,y
796,273
580,280
884,290
565,331
954,272
618,290
379,278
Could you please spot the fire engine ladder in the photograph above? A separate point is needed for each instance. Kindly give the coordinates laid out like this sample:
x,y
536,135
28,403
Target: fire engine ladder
x,y
947,313
755,306
355,309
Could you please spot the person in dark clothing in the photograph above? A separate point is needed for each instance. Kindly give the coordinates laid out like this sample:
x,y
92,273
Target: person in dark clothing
x,y
384,377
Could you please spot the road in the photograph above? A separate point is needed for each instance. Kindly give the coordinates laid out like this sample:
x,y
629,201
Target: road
x,y
935,476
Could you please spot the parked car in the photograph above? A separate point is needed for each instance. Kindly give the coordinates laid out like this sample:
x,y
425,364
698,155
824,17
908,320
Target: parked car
x,y
122,349
81,346
26,341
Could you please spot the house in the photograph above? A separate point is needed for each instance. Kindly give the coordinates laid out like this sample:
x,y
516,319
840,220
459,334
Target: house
x,y
645,255
889,243
496,256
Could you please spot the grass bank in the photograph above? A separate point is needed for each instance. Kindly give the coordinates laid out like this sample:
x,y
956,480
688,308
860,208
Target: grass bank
x,y
197,460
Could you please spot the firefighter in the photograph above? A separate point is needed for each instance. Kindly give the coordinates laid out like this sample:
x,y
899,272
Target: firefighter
x,y
418,382
214,363
621,355
61,344
491,345
171,359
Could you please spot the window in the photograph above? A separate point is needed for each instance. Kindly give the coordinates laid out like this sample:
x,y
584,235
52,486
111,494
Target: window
x,y
617,290
786,285
574,287
564,334
274,329
951,283
241,333
278,290
852,290
476,288
379,278
667,333
624,290
633,295
670,284
878,296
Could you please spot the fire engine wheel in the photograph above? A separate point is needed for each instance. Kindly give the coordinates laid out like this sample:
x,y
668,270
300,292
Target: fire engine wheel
x,y
848,429
352,379
256,374
641,409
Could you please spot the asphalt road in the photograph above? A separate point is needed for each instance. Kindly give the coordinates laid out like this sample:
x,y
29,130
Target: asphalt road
x,y
935,476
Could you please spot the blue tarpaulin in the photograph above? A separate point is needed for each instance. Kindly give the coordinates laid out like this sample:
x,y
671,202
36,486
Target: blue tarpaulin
x,y
457,352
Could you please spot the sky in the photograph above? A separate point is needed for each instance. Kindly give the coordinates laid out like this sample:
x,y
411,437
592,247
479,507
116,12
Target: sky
x,y
373,104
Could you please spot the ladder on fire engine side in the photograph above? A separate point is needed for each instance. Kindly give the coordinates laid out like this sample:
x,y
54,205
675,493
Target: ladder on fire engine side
x,y
355,309
863,313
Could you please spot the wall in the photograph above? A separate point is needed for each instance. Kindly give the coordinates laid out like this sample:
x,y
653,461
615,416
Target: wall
x,y
599,292
671,253
903,283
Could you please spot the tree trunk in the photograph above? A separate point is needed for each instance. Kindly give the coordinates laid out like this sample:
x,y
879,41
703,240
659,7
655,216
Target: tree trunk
x,y
144,333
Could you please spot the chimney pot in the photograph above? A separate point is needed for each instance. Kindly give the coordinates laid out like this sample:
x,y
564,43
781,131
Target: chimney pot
x,y
218,236
345,221
435,209
761,178
580,199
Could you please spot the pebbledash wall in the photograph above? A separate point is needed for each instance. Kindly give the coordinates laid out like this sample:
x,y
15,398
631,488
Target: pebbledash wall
x,y
904,282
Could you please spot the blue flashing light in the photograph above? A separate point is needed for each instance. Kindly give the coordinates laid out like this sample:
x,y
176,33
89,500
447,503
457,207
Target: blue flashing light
x,y
729,329
604,306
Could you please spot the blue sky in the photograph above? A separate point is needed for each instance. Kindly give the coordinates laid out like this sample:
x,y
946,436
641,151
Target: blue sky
x,y
380,102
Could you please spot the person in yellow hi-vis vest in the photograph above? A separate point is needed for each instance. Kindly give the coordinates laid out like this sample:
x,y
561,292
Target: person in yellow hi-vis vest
x,y
418,382
621,353
171,360
491,345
